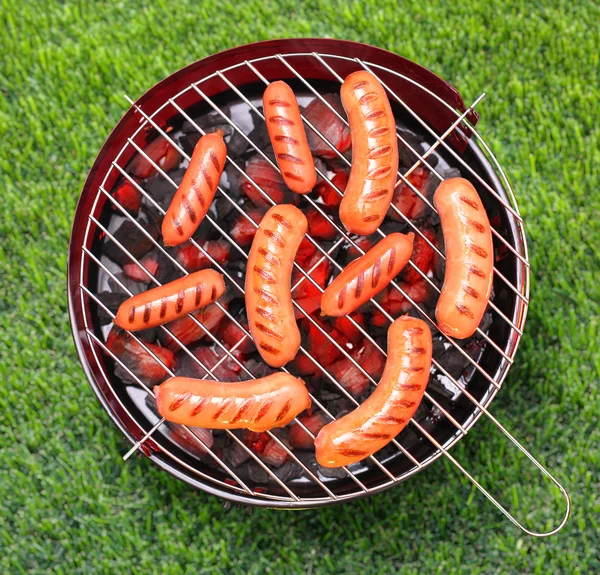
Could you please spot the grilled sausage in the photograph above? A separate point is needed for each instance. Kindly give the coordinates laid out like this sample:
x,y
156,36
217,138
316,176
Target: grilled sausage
x,y
170,301
258,405
289,138
268,284
388,410
366,276
374,154
196,191
469,258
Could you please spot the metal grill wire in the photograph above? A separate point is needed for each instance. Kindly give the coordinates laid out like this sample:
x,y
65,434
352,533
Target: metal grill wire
x,y
93,225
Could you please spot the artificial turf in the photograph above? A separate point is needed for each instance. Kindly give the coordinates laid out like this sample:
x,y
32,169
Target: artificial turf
x,y
71,505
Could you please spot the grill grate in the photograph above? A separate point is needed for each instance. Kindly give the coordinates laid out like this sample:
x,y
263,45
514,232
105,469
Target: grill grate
x,y
514,326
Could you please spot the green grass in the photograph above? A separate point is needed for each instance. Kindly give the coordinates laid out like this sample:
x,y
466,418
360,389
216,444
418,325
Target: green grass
x,y
71,505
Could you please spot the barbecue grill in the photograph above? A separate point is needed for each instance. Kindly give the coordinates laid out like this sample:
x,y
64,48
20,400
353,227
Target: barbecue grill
x,y
435,130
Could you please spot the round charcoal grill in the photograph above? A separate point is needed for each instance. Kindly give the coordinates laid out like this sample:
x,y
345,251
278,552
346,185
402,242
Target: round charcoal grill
x,y
436,133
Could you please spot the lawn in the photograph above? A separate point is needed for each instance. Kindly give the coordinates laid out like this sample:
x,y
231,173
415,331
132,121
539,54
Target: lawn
x,y
71,505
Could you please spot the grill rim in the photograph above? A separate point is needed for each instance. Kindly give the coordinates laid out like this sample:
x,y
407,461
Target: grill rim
x,y
74,295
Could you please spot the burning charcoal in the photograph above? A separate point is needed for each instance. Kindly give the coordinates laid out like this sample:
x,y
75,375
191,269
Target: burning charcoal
x,y
235,455
409,438
259,134
395,304
328,193
307,305
268,449
161,189
112,300
256,368
320,346
206,231
453,362
439,344
255,472
364,243
486,321
187,142
128,197
166,270
390,227
419,292
268,180
303,365
191,138
274,453
161,152
332,472
314,383
329,125
448,173
237,145
378,319
231,334
194,259
422,256
132,239
438,388
288,471
392,301
349,376
208,356
352,378
221,206
243,229
136,272
298,437
319,226
237,307
208,122
349,329
436,416
133,286
439,268
407,201
422,411
407,146
188,331
320,166
222,440
233,179
331,395
195,440
305,251
319,275
138,360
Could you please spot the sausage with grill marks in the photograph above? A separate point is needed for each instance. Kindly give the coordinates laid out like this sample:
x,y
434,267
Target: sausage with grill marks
x,y
373,424
469,258
268,284
366,276
170,301
258,405
374,154
288,138
196,191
